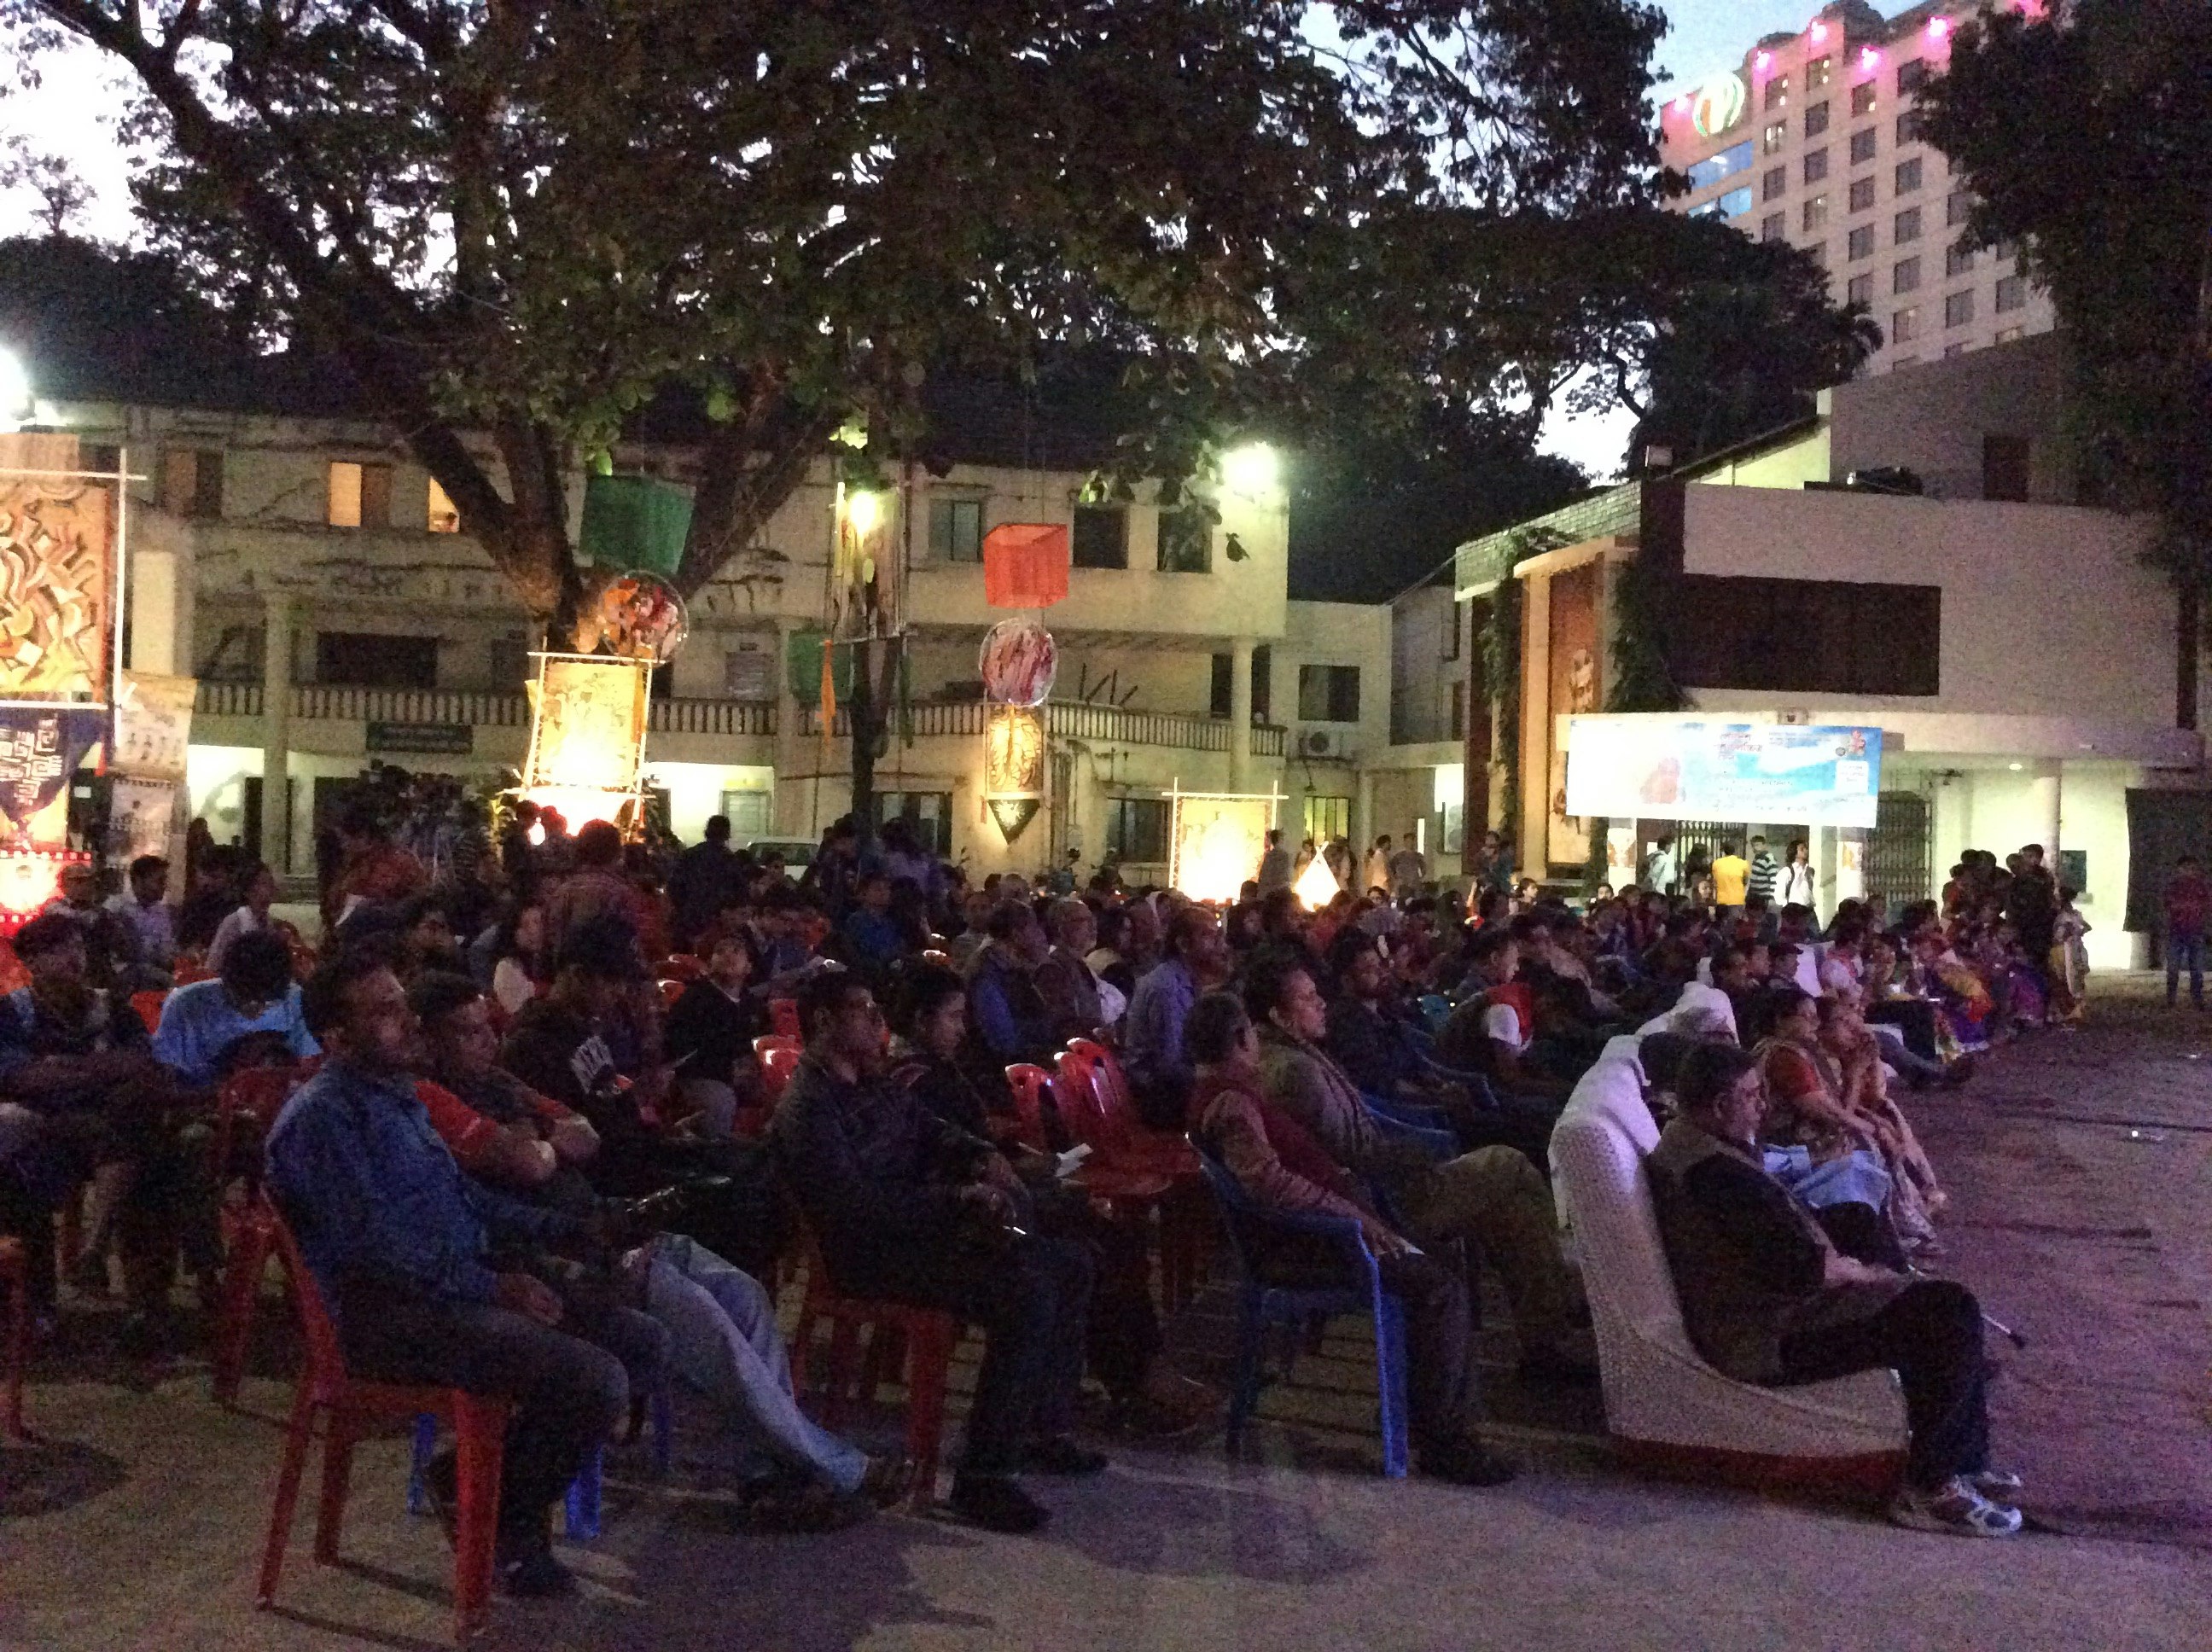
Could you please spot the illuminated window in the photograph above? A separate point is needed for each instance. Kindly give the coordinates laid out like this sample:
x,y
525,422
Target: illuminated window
x,y
1908,177
1776,137
1777,93
1326,818
359,496
1726,164
2012,293
1815,213
1905,326
1775,185
1959,261
1907,225
1733,204
1959,309
1816,166
1863,142
1862,99
1816,118
1906,276
1860,245
1859,290
1862,194
442,516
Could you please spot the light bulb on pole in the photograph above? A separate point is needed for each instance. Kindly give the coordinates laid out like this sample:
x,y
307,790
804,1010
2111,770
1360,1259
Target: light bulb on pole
x,y
15,399
863,510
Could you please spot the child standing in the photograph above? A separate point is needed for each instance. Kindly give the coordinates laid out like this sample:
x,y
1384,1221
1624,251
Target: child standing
x,y
2070,962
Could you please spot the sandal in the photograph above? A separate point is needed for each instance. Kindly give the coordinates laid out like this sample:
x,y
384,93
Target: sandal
x,y
889,1480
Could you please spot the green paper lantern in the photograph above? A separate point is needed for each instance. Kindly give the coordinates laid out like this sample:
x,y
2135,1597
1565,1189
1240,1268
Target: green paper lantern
x,y
803,667
633,522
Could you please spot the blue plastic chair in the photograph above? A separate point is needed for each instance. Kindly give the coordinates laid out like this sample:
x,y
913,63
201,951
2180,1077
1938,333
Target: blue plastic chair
x,y
1436,1010
1260,1304
1413,1115
581,1514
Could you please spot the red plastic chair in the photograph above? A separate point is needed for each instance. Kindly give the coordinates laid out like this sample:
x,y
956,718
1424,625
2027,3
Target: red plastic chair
x,y
149,1004
778,1055
347,1406
681,967
783,1017
923,1339
15,1268
1029,1083
1136,1169
670,990
248,1105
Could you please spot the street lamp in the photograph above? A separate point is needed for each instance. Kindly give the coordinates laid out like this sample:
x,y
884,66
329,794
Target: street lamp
x,y
863,510
1250,470
15,403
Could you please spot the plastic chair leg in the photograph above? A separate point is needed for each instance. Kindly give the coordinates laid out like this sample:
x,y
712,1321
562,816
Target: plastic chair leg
x,y
844,1338
298,1435
19,1338
480,1427
1244,1397
581,1513
241,1286
1391,1384
929,1357
337,1477
426,1446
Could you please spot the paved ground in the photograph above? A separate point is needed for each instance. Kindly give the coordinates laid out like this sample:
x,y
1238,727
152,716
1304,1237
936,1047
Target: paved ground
x,y
2080,1165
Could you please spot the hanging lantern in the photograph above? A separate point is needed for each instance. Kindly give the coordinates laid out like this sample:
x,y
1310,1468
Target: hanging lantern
x,y
1019,662
1025,565
1316,885
640,616
1013,766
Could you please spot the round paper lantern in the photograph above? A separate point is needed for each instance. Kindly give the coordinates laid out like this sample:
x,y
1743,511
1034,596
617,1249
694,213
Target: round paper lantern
x,y
1019,662
1025,565
642,618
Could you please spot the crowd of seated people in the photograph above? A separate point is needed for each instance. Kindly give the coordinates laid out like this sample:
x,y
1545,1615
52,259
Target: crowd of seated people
x,y
539,1149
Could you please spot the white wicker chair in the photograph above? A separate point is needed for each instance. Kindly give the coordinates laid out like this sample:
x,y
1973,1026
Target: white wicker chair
x,y
1663,1403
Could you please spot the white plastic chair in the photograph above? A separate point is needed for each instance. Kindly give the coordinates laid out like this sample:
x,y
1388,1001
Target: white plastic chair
x,y
1663,1403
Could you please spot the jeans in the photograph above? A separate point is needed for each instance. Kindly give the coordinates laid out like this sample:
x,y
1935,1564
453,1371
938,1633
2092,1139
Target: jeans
x,y
2190,950
1494,1198
1032,1300
1901,1055
1930,1333
568,1395
721,1326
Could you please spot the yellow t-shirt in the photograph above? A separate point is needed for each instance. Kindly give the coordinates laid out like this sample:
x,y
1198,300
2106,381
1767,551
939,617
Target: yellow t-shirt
x,y
1730,873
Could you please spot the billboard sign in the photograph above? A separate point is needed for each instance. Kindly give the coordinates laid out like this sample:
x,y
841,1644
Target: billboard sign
x,y
1711,769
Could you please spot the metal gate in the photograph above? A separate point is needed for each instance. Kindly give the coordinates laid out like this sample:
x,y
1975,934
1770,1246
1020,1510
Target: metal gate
x,y
1898,870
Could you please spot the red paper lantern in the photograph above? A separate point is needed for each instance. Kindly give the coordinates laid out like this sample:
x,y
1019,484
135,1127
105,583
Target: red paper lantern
x,y
1025,565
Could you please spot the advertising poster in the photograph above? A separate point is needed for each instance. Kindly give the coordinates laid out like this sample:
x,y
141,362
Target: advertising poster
x,y
153,726
41,747
53,574
1698,768
1574,692
139,816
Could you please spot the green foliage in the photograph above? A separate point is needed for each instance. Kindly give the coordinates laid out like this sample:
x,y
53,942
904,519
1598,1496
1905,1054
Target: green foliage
x,y
1641,680
1501,671
2086,137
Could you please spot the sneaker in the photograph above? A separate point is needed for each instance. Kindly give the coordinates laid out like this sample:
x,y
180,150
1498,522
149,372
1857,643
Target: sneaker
x,y
533,1574
996,1504
1061,1455
1998,1484
1954,1507
1467,1461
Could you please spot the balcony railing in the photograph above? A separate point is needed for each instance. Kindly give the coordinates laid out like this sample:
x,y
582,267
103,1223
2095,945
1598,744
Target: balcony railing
x,y
1077,720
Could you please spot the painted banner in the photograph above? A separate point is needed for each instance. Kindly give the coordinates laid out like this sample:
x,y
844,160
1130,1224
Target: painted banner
x,y
153,726
1217,843
1013,766
53,573
139,815
1660,768
1573,690
41,747
586,734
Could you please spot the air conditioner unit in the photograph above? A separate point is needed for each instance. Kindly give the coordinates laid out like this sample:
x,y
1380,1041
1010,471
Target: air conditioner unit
x,y
1321,743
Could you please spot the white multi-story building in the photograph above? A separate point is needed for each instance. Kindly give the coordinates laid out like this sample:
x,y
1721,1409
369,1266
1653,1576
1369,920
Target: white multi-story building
x,y
319,585
1815,139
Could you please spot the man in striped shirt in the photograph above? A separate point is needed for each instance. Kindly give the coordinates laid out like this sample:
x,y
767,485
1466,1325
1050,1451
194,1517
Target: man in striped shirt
x,y
1765,871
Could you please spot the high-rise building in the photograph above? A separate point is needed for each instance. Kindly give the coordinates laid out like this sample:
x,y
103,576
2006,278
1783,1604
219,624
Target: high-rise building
x,y
1815,140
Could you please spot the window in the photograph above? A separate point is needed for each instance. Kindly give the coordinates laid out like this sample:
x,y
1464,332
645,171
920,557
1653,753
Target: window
x,y
1263,679
1959,261
1816,118
1817,252
359,496
1905,326
1806,636
1861,244
1458,709
1959,309
1137,829
376,660
1862,194
1912,76
1101,537
1862,99
1908,177
928,814
1817,72
2008,335
1774,227
1328,818
1863,142
1908,127
1907,225
1777,93
1733,204
2012,293
1775,138
2005,467
1775,185
955,529
1859,290
440,514
1457,634
751,814
1329,694
507,662
749,672
2005,251
191,482
1956,207
1816,166
1815,213
1906,276
1729,162
1186,541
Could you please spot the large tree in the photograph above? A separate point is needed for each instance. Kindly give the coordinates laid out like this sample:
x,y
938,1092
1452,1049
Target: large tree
x,y
2086,135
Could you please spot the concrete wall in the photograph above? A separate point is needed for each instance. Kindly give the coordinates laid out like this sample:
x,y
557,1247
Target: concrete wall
x,y
1934,421
1424,663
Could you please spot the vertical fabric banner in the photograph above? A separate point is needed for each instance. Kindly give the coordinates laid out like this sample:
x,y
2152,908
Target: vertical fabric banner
x,y
54,560
139,815
867,566
153,726
1573,692
41,747
1013,766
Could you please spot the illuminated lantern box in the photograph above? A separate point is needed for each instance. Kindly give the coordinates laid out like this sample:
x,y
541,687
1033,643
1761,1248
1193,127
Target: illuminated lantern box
x,y
1025,565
